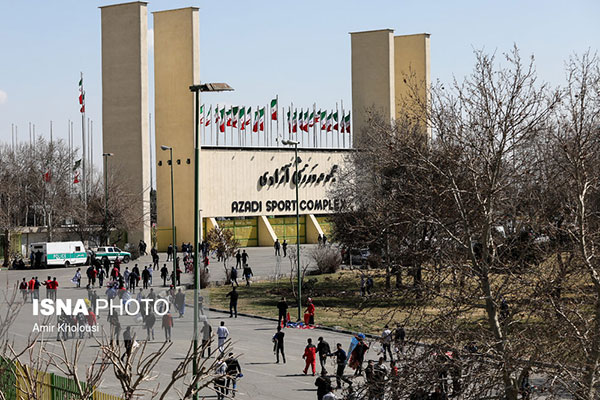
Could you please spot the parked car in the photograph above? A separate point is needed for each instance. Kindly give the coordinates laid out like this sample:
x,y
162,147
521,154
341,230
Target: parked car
x,y
112,253
359,256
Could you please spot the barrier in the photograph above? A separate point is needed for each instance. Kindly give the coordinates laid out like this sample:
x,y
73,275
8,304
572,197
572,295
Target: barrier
x,y
16,385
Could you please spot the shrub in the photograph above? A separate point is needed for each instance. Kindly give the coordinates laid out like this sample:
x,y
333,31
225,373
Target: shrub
x,y
326,258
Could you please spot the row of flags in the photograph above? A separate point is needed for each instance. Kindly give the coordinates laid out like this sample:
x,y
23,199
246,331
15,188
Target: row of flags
x,y
245,120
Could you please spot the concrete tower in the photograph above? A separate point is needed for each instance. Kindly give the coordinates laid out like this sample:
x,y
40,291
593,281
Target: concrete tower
x,y
381,63
176,67
125,105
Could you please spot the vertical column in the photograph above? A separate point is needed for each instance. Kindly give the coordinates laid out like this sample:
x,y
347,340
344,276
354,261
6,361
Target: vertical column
x,y
412,75
176,67
125,107
372,78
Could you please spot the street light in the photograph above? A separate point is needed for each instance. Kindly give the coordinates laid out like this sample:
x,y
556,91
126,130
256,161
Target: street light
x,y
196,89
295,144
174,274
106,155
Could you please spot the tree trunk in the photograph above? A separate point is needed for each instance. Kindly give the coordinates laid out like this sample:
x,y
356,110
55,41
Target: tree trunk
x,y
388,278
593,362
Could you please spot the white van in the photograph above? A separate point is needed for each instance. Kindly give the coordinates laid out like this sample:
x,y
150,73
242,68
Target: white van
x,y
58,253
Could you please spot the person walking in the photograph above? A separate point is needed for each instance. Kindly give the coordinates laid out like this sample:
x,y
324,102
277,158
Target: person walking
x,y
222,335
247,274
323,384
206,336
282,307
101,276
358,355
23,289
115,327
48,284
52,288
164,274
278,345
284,246
399,337
277,247
233,277
167,325
386,343
145,277
238,260
309,357
128,341
180,303
155,258
30,287
77,278
245,258
340,361
323,349
233,370
233,300
149,322
219,382
170,252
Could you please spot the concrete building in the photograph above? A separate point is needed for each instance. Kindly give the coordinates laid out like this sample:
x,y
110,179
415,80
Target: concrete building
x,y
250,190
125,105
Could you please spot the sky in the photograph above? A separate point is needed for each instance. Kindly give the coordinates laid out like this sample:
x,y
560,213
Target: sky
x,y
299,50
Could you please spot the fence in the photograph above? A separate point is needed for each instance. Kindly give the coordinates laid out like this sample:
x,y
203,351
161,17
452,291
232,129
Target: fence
x,y
19,382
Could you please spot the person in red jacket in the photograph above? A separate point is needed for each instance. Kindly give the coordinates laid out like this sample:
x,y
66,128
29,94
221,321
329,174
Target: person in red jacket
x,y
310,312
310,356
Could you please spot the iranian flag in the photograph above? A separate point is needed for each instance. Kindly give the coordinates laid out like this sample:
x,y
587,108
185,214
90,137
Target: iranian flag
x,y
248,117
329,122
228,117
81,95
323,118
312,120
201,116
274,109
261,119
207,119
295,122
336,126
318,117
347,122
235,116
255,126
222,119
305,122
300,121
242,118
217,114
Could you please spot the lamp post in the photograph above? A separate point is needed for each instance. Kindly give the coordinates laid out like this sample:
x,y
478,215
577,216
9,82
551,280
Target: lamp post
x,y
196,89
174,274
106,155
295,144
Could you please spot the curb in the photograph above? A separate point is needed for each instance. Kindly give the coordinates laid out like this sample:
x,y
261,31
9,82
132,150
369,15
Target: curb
x,y
325,328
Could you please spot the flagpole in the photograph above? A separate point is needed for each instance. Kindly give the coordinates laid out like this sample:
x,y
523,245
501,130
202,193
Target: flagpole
x,y
83,147
342,120
217,128
278,116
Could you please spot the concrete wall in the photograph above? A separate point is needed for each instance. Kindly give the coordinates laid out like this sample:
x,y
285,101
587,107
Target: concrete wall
x,y
176,67
244,177
372,78
125,104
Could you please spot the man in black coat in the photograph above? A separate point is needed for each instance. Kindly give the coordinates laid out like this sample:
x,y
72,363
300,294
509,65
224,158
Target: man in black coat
x,y
282,306
323,384
323,349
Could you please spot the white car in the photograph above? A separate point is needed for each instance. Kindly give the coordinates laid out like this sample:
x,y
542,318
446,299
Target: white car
x,y
112,253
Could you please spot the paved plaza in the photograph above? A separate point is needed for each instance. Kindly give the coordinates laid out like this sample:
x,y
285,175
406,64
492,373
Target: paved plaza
x,y
251,337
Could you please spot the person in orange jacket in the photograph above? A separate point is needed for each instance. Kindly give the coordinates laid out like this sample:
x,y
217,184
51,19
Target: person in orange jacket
x,y
310,356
